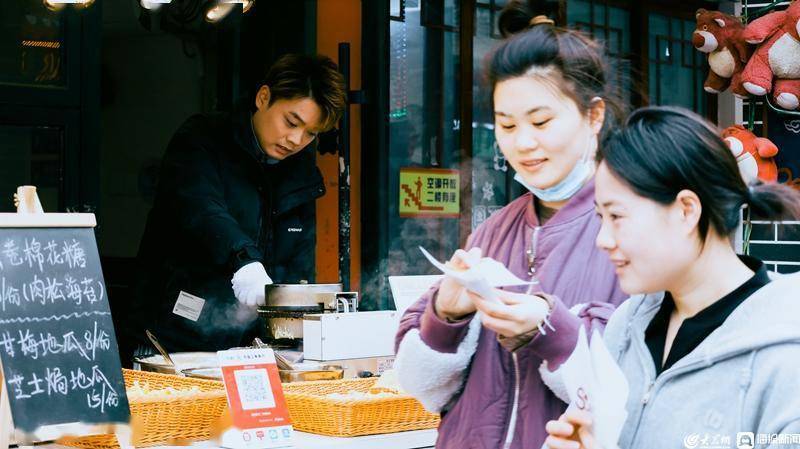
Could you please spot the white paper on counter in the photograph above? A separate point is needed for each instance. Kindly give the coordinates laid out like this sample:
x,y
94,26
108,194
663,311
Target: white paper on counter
x,y
482,277
596,383
406,290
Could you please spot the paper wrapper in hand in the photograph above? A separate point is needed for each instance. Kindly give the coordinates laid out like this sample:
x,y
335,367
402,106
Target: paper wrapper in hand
x,y
596,383
482,276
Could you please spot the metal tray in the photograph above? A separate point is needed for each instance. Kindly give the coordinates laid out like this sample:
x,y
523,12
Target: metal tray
x,y
185,360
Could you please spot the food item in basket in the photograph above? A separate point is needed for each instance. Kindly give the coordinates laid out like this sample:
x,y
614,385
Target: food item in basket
x,y
387,386
138,392
315,408
360,395
388,382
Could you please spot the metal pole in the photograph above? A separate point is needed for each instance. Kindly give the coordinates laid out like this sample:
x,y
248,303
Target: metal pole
x,y
344,174
466,33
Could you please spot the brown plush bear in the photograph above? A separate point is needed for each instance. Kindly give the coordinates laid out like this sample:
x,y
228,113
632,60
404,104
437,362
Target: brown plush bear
x,y
753,154
775,66
720,35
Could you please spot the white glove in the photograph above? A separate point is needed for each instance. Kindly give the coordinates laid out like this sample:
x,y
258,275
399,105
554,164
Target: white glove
x,y
248,284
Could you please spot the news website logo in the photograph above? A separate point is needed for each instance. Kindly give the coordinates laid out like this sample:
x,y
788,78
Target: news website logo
x,y
745,440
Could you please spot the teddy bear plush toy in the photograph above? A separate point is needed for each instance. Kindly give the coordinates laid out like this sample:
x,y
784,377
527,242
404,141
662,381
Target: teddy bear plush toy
x,y
720,36
775,65
753,154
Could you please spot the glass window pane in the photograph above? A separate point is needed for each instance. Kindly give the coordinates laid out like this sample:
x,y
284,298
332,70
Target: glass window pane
x,y
395,8
676,68
490,171
579,14
423,125
31,44
31,155
611,26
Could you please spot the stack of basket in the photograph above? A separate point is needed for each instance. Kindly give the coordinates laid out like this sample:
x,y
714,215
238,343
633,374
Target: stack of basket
x,y
352,411
159,420
313,410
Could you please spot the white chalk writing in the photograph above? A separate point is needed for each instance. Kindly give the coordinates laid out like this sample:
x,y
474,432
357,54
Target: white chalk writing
x,y
8,294
51,290
74,254
33,254
43,344
93,383
11,251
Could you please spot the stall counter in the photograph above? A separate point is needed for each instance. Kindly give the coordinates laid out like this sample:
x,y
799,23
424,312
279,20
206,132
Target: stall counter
x,y
415,439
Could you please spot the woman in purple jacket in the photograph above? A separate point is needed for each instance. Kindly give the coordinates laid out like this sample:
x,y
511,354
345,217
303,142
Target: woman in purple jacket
x,y
481,371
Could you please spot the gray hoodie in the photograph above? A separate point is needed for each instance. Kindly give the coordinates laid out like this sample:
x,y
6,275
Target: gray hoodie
x,y
745,377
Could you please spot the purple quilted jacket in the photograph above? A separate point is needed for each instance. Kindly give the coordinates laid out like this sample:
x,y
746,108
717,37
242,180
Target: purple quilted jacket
x,y
501,401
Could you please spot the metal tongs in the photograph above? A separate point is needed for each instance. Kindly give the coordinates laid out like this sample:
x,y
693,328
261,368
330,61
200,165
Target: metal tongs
x,y
160,348
283,362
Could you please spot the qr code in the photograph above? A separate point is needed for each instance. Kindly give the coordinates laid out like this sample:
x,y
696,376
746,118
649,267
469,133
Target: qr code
x,y
255,391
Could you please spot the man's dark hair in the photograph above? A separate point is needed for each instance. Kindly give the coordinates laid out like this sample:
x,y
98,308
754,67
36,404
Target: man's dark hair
x,y
296,76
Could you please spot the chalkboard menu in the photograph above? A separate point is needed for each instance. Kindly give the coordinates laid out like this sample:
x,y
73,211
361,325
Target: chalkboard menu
x,y
57,342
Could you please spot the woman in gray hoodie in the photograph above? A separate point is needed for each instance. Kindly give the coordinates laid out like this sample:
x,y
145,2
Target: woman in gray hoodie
x,y
709,343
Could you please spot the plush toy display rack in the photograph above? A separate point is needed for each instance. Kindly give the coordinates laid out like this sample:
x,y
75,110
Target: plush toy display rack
x,y
747,17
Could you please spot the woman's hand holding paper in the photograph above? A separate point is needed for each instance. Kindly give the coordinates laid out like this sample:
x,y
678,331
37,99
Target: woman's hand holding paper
x,y
452,300
573,430
514,314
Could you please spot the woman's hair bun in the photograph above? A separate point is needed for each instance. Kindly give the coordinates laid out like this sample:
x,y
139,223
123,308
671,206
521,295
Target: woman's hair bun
x,y
519,15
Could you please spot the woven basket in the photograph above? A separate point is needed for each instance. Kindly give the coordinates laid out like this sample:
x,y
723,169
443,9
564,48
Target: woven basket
x,y
165,421
312,412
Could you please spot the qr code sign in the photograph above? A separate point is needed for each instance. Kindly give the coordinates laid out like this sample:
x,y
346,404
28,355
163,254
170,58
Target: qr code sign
x,y
254,389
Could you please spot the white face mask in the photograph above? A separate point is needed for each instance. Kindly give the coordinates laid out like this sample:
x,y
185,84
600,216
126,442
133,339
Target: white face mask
x,y
572,183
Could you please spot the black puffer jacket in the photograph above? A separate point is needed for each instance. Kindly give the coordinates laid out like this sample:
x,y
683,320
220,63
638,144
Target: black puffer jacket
x,y
219,206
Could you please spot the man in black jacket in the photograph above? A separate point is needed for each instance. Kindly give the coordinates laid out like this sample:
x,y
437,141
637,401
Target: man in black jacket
x,y
235,211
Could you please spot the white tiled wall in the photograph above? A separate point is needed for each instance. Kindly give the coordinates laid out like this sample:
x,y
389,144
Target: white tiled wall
x,y
777,244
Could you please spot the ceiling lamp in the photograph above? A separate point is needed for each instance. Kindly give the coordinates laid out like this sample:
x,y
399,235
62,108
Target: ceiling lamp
x,y
58,4
153,5
217,12
53,6
246,4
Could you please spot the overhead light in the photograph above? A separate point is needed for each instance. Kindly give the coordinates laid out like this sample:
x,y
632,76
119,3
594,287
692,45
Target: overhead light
x,y
52,5
217,12
153,4
222,8
83,3
56,4
246,4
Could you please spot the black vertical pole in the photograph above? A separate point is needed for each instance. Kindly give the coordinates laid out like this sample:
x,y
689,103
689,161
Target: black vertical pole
x,y
375,163
344,173
466,34
228,69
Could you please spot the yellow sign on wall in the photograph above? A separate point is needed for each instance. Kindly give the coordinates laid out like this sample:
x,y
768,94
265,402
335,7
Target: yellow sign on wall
x,y
429,192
